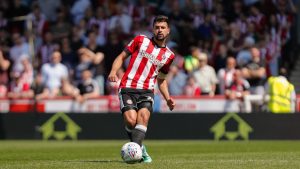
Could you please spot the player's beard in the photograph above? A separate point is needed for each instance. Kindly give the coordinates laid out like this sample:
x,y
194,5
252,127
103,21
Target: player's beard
x,y
161,37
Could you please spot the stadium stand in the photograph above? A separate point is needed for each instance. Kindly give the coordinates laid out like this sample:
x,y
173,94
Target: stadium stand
x,y
32,30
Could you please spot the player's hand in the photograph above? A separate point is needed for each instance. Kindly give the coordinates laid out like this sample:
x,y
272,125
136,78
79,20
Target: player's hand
x,y
112,77
171,104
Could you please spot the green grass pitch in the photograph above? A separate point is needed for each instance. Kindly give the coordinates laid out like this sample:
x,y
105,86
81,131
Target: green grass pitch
x,y
168,154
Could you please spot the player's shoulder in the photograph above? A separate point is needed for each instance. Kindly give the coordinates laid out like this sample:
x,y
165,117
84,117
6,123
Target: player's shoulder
x,y
172,54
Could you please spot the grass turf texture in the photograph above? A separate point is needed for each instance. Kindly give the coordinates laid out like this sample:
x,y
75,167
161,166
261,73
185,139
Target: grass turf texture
x,y
166,154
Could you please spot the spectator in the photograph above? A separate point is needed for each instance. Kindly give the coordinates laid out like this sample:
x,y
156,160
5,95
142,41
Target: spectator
x,y
3,91
225,75
76,38
94,41
88,87
205,76
18,87
285,17
255,73
236,40
235,10
273,44
61,28
243,25
182,24
5,42
4,66
27,73
191,62
271,52
191,88
39,23
238,88
4,75
52,74
95,52
87,60
49,7
113,47
221,57
88,14
176,79
102,23
179,59
67,89
3,21
205,30
244,55
139,13
258,18
19,51
37,86
140,28
69,57
47,48
78,9
281,92
121,21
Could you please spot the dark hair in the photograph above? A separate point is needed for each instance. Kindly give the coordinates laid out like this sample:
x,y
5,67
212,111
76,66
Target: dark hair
x,y
161,18
283,72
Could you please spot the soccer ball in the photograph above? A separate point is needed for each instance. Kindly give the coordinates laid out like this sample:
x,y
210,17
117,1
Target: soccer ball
x,y
131,152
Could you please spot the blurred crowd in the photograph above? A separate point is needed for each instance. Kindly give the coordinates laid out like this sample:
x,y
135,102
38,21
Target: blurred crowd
x,y
51,48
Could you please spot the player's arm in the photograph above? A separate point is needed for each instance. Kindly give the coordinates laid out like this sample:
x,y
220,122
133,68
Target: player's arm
x,y
163,87
117,64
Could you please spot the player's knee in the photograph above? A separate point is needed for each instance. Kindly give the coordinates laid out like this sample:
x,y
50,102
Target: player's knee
x,y
130,119
143,118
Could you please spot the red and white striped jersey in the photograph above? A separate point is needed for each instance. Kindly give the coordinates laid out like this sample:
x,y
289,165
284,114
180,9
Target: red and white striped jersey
x,y
147,60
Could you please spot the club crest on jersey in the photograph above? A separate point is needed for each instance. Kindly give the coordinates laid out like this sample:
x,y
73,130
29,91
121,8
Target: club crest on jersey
x,y
151,58
129,101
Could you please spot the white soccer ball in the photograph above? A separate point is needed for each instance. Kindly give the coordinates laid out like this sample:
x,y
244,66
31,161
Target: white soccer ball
x,y
131,153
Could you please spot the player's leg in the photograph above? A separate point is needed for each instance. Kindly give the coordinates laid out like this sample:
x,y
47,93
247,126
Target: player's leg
x,y
143,116
129,111
130,119
145,108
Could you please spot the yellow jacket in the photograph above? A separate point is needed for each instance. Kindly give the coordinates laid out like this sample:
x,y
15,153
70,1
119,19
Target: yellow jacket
x,y
281,92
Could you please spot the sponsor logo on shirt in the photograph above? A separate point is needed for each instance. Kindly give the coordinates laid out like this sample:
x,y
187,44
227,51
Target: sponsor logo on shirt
x,y
151,57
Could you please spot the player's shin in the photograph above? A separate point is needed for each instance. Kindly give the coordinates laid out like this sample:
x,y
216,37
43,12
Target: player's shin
x,y
129,132
138,133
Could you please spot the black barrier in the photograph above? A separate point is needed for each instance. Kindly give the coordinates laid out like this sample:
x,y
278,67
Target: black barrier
x,y
220,126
